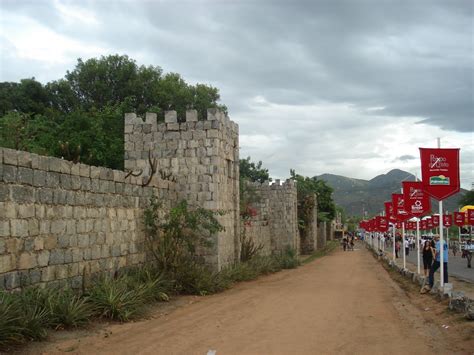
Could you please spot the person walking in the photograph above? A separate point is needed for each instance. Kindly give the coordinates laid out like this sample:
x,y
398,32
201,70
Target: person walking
x,y
437,263
397,248
407,247
428,254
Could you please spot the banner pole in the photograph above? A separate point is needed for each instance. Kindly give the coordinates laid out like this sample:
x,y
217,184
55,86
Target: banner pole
x,y
403,246
441,246
418,244
393,240
459,238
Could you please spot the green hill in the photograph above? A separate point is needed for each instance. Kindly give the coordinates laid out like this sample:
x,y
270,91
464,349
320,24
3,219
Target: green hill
x,y
356,195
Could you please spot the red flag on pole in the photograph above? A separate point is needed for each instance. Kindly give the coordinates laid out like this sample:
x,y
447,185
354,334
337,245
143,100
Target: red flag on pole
x,y
440,171
424,224
399,208
435,219
470,217
459,218
417,202
447,220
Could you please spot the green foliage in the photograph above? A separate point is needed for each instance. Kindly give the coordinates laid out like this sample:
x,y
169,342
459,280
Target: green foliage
x,y
68,310
288,258
80,117
307,187
253,172
11,329
115,299
467,199
173,239
248,248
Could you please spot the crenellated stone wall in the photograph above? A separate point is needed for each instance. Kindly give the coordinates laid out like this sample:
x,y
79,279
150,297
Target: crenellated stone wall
x,y
276,223
202,157
61,221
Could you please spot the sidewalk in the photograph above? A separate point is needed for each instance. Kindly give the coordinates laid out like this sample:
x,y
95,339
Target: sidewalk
x,y
458,284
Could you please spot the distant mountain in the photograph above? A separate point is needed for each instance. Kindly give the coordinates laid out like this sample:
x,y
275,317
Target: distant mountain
x,y
357,195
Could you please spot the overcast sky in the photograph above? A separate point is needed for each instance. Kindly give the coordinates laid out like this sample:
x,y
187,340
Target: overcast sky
x,y
344,87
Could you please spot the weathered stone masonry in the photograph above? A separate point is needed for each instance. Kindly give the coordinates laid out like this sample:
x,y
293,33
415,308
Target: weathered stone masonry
x,y
202,157
60,221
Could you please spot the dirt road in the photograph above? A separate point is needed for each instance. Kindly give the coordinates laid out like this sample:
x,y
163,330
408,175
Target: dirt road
x,y
342,303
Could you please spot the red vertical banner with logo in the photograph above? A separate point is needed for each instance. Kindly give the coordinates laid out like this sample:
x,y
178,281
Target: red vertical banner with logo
x,y
447,220
470,217
440,171
424,224
389,211
459,218
429,223
382,223
399,208
416,201
435,219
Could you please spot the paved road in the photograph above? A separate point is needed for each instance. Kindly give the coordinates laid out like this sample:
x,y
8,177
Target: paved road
x,y
457,266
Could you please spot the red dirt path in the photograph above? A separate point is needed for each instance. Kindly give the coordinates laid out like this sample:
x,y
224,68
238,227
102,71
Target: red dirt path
x,y
342,303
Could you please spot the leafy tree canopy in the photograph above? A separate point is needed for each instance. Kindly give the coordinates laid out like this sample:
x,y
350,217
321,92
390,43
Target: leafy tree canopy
x,y
253,171
467,199
80,117
307,186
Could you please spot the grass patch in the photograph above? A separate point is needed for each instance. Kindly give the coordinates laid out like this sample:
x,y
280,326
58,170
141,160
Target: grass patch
x,y
330,246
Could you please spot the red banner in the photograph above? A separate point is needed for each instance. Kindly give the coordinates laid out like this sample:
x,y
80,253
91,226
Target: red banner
x,y
440,171
459,218
424,224
447,220
435,219
399,225
389,211
416,201
382,223
399,208
429,223
470,217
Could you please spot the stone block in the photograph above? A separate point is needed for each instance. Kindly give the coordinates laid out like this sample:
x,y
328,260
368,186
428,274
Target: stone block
x,y
10,156
45,196
4,228
35,276
25,176
52,180
6,263
12,280
58,226
22,194
5,193
39,178
95,172
54,164
56,257
26,211
9,173
65,166
171,117
50,242
65,181
27,261
85,170
19,227
43,258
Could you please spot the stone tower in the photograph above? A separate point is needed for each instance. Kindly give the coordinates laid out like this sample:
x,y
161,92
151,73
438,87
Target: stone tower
x,y
202,158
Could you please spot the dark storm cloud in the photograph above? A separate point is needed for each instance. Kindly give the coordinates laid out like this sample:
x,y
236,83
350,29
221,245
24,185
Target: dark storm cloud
x,y
414,58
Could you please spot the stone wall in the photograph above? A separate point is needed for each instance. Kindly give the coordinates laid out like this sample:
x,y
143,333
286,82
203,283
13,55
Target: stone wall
x,y
60,221
276,222
202,157
322,235
309,236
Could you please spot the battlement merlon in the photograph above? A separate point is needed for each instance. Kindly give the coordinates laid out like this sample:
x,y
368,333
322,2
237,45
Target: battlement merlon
x,y
171,117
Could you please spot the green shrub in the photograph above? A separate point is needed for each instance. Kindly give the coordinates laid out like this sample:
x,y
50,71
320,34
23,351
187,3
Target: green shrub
x,y
288,258
114,299
11,330
157,286
69,310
